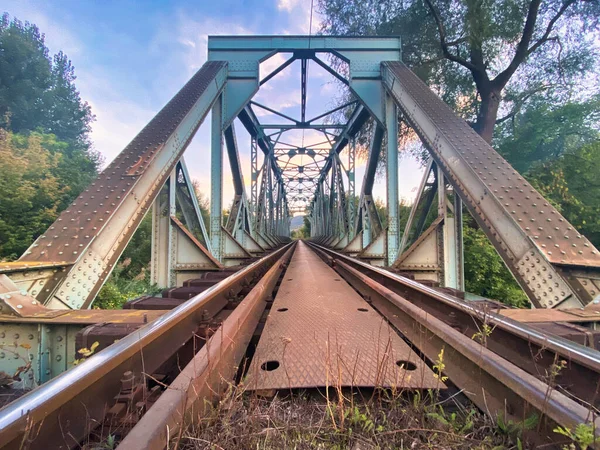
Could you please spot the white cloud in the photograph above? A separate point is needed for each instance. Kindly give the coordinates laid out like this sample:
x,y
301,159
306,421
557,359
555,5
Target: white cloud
x,y
287,5
299,12
58,37
117,123
273,63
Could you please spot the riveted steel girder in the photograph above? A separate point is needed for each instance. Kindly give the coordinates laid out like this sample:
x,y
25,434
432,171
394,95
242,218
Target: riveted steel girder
x,y
553,262
91,234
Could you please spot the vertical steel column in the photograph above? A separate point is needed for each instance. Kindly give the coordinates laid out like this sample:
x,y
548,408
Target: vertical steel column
x,y
163,259
269,194
216,178
460,251
391,117
332,199
451,260
351,189
253,181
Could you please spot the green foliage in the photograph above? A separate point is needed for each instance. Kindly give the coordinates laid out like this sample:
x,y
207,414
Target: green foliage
x,y
485,272
362,420
136,256
45,157
38,179
440,366
30,191
482,335
85,353
511,428
305,230
481,61
203,203
583,435
131,277
36,91
453,420
121,287
381,212
544,133
299,233
571,184
24,74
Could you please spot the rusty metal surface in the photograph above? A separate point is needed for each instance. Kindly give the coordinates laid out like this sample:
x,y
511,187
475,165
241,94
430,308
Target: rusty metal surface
x,y
551,315
209,372
493,383
196,242
553,262
89,316
571,331
18,301
66,405
320,332
529,349
22,266
80,222
545,226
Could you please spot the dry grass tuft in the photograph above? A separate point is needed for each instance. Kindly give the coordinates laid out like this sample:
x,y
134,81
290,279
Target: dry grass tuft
x,y
358,420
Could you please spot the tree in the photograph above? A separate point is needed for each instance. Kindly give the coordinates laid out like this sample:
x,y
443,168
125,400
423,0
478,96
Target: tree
x,y
69,117
39,93
203,202
30,192
542,133
571,184
25,75
478,53
46,155
485,272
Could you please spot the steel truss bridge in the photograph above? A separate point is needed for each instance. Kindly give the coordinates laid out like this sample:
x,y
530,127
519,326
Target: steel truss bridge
x,y
244,283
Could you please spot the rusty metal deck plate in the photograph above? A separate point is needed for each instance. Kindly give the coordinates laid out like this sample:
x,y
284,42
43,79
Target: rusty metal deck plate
x,y
552,315
320,332
87,316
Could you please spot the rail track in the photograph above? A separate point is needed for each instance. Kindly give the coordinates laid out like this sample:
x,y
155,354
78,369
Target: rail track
x,y
149,384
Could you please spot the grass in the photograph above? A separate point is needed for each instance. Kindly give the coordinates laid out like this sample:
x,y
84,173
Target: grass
x,y
310,419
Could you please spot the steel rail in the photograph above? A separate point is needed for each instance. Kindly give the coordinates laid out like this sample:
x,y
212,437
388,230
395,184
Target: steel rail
x,y
529,349
210,371
76,400
493,383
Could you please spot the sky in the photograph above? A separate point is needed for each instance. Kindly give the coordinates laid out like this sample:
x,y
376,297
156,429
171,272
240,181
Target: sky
x,y
131,57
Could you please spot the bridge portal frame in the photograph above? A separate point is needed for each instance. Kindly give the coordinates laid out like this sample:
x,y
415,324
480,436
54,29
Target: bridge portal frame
x,y
66,268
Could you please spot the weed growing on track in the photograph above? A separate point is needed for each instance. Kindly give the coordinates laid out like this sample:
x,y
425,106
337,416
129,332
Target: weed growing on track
x,y
357,421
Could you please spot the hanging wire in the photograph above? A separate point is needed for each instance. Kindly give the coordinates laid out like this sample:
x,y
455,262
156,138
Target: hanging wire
x,y
308,61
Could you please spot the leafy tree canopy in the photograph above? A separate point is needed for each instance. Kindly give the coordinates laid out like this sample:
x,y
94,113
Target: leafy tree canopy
x,y
45,157
30,191
38,92
543,132
572,185
479,53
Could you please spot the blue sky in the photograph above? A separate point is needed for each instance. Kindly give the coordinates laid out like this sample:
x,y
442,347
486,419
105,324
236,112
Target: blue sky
x,y
131,57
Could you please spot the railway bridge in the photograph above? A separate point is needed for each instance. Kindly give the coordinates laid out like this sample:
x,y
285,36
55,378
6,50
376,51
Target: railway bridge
x,y
362,303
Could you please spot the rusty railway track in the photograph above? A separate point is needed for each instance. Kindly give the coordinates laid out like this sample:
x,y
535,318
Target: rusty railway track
x,y
504,369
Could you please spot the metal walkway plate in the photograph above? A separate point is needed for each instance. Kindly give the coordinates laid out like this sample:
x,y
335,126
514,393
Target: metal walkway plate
x,y
320,332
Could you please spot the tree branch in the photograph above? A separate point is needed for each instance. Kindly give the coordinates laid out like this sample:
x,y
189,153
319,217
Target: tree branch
x,y
523,48
520,102
443,43
546,37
